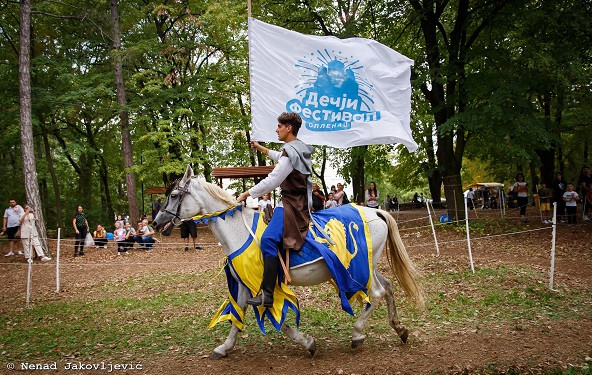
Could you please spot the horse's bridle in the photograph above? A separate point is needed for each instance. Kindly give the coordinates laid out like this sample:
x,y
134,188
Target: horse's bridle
x,y
175,212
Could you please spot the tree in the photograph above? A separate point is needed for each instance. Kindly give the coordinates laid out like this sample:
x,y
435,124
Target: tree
x,y
128,157
28,151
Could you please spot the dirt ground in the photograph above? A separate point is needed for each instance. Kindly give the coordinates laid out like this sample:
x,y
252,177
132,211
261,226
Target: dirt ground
x,y
534,347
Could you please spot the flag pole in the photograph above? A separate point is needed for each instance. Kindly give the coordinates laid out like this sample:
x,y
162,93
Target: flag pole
x,y
249,8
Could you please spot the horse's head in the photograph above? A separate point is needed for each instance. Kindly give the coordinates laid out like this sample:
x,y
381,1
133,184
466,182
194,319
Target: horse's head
x,y
181,203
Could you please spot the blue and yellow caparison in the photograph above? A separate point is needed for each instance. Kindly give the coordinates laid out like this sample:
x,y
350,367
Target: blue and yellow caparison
x,y
349,260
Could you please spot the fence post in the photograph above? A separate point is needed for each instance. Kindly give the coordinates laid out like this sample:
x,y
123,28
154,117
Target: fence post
x,y
433,229
468,235
552,270
30,260
58,262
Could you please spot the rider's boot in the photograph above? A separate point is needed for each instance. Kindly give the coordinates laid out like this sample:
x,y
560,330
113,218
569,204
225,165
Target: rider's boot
x,y
270,272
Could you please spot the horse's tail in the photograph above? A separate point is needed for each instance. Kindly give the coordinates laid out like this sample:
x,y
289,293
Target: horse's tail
x,y
399,260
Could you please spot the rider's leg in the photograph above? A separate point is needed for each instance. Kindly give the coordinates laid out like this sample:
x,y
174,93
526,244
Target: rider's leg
x,y
271,240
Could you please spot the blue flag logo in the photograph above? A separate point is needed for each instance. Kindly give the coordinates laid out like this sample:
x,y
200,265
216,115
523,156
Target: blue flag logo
x,y
332,94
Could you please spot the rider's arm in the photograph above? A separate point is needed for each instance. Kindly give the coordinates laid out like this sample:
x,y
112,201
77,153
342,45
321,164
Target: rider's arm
x,y
274,179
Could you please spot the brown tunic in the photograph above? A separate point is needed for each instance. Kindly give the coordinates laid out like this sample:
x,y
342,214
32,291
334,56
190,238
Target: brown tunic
x,y
296,213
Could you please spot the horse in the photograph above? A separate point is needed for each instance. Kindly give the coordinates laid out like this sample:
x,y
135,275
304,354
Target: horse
x,y
189,197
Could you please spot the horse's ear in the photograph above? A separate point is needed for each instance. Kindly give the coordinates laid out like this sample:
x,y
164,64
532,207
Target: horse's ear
x,y
188,174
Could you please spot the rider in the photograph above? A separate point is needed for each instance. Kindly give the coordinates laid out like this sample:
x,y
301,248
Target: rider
x,y
291,218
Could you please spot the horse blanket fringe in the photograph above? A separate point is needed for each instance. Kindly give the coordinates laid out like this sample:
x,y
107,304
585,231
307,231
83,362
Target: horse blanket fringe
x,y
349,260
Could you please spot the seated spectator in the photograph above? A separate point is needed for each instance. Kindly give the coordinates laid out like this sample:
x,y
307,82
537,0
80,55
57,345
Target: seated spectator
x,y
120,221
130,232
144,236
330,202
395,203
29,234
100,237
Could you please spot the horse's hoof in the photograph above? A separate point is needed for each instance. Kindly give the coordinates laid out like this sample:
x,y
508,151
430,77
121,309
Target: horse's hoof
x,y
216,355
313,348
357,343
404,336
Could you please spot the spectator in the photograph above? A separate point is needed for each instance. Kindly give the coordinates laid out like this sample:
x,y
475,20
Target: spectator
x,y
119,234
100,236
144,236
421,199
486,197
29,234
143,217
583,183
156,208
318,198
570,197
120,221
264,201
372,196
471,199
340,196
388,202
545,202
557,190
189,227
521,189
130,232
588,199
395,204
11,225
493,199
80,225
331,202
333,189
416,200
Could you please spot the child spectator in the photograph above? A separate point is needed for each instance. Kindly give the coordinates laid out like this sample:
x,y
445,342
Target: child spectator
x,y
100,236
570,197
119,234
331,202
545,198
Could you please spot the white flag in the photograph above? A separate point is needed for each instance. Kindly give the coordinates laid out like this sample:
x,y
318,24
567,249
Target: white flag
x,y
349,92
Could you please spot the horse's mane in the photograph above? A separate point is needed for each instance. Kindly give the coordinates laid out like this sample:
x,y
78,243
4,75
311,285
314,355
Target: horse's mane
x,y
216,192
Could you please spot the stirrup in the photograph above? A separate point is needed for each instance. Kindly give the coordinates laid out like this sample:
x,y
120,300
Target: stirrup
x,y
260,300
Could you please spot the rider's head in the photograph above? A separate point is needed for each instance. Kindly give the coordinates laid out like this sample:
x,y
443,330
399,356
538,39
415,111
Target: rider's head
x,y
292,119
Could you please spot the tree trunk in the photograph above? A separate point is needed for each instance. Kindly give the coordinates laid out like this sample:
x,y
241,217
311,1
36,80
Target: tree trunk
x,y
357,173
27,148
130,177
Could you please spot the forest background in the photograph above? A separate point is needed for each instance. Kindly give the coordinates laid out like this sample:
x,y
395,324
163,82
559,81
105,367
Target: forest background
x,y
500,86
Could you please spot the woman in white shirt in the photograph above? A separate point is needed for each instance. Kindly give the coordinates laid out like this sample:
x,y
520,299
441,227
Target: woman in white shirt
x,y
521,188
372,196
30,236
264,202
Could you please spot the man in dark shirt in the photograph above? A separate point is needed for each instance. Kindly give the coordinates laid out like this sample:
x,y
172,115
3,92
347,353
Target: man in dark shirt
x,y
583,183
318,198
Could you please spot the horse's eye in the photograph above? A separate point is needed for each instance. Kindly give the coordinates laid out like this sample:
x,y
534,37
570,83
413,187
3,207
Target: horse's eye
x,y
173,196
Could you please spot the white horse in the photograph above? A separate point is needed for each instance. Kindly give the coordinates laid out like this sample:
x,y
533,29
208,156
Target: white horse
x,y
190,197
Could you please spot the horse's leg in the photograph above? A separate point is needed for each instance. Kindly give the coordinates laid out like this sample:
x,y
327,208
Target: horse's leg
x,y
304,339
392,309
222,350
376,293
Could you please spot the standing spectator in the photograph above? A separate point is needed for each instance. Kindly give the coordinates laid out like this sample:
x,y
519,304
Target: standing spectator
x,y
372,195
416,200
120,221
521,189
421,199
130,232
570,197
11,225
189,227
340,196
100,237
557,190
331,202
144,237
156,208
264,201
119,234
29,234
471,199
493,199
318,198
80,225
388,202
545,201
333,189
583,183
